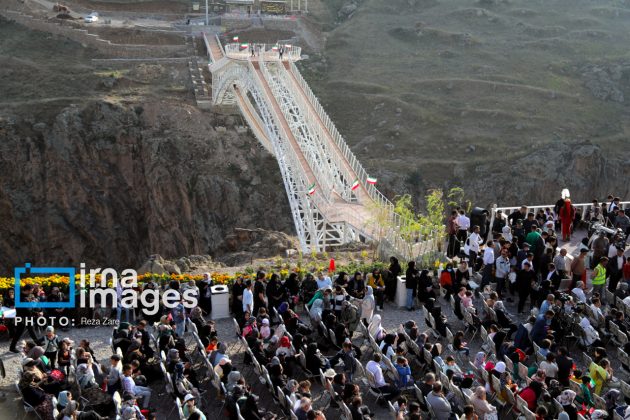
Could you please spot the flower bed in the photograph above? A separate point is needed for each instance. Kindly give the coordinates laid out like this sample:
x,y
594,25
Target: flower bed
x,y
218,278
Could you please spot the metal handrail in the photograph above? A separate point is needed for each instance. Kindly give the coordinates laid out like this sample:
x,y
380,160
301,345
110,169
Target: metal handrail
x,y
395,219
507,210
262,51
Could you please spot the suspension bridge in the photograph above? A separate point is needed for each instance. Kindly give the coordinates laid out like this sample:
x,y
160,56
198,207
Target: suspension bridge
x,y
332,198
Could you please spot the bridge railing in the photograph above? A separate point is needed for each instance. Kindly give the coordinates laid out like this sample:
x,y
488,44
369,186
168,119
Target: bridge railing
x,y
267,52
216,37
315,128
583,207
286,157
381,201
324,183
207,43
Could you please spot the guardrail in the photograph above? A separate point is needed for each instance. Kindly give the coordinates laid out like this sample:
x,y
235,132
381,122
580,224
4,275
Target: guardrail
x,y
267,52
361,174
313,124
323,153
321,203
583,207
283,154
216,36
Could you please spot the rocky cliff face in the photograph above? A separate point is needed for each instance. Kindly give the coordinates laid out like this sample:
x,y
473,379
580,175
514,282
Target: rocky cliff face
x,y
109,184
585,169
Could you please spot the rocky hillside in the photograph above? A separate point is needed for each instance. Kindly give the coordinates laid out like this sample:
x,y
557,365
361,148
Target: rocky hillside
x,y
109,184
512,100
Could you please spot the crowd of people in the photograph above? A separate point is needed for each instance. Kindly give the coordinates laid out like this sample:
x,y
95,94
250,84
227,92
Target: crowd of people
x,y
325,334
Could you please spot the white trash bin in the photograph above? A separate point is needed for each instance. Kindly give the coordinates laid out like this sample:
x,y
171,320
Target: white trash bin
x,y
401,291
220,302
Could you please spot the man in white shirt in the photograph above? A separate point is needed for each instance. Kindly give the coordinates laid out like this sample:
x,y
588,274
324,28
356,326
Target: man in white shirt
x,y
502,269
560,261
463,224
323,282
248,298
128,385
474,242
598,316
578,291
488,264
529,260
374,367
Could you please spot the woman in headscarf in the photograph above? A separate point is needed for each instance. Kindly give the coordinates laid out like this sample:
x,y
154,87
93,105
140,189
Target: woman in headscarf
x,y
284,348
480,360
356,286
292,285
566,399
196,316
85,376
498,339
388,346
181,384
291,390
276,293
258,349
612,402
496,370
376,330
392,279
308,288
481,404
462,276
315,360
447,281
41,361
531,394
503,318
367,306
218,354
599,415
591,336
506,232
36,396
425,287
233,379
222,370
172,358
62,400
316,311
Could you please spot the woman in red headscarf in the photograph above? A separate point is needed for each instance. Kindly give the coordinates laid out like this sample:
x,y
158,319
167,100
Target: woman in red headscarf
x,y
567,214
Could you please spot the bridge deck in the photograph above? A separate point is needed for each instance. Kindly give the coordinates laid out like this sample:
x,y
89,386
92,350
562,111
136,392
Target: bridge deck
x,y
339,209
216,52
363,196
285,125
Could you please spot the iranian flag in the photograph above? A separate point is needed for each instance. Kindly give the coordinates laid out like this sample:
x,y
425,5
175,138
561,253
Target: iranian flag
x,y
235,39
274,48
371,180
311,189
244,45
355,185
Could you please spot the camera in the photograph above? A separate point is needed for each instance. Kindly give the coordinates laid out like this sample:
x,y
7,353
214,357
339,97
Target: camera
x,y
564,297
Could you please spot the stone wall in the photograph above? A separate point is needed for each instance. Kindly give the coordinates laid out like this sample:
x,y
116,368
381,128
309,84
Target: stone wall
x,y
92,40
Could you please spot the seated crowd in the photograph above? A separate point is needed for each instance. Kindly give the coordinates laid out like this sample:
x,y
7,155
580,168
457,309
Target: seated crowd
x,y
324,335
